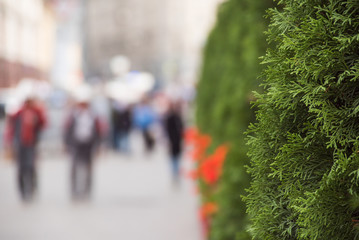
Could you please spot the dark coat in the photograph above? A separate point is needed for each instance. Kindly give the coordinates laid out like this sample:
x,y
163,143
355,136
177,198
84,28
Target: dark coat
x,y
70,140
124,120
174,129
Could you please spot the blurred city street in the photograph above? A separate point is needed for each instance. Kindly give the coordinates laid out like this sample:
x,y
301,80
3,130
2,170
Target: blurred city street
x,y
133,199
113,77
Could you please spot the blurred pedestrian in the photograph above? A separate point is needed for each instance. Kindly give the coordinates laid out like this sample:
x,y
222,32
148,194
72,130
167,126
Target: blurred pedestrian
x,y
114,124
124,126
23,133
144,118
82,139
174,126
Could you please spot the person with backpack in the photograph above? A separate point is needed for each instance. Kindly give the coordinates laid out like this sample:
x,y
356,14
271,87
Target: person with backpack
x,y
144,118
23,134
82,138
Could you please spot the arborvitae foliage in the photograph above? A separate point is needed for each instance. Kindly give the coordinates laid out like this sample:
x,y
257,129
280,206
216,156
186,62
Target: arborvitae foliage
x,y
304,149
229,75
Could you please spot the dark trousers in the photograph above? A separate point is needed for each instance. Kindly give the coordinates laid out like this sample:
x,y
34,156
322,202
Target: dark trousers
x,y
27,179
149,140
81,171
123,142
175,163
175,153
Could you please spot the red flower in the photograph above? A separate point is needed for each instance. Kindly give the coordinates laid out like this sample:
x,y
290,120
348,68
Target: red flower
x,y
201,144
205,213
208,209
211,168
190,135
193,174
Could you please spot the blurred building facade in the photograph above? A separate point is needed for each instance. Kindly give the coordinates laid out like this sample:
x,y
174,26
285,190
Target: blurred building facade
x,y
26,40
164,37
67,70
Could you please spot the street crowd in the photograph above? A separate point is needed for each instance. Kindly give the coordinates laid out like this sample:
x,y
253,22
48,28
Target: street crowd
x,y
84,131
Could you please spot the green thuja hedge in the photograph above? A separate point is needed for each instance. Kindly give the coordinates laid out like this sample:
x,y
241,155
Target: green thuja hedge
x,y
229,74
304,149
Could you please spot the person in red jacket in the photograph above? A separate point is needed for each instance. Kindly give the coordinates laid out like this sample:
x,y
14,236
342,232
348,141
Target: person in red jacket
x,y
23,132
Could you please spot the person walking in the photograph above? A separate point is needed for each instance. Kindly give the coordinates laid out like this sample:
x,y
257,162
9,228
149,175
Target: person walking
x,y
82,138
144,118
174,128
23,133
124,125
114,124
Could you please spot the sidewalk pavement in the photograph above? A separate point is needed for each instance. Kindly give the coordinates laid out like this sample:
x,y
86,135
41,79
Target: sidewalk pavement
x,y
133,199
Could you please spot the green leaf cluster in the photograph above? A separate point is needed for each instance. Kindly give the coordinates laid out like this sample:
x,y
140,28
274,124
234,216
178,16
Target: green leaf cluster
x,y
304,149
230,71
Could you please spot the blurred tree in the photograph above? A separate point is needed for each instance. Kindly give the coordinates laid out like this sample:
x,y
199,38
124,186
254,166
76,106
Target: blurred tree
x,y
230,72
304,148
